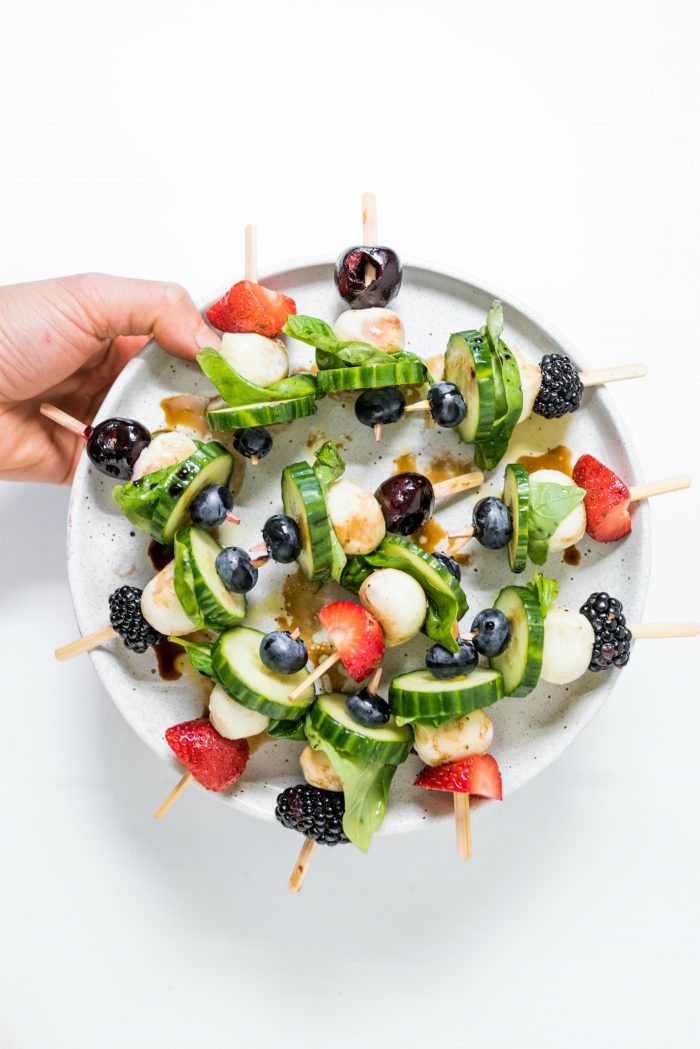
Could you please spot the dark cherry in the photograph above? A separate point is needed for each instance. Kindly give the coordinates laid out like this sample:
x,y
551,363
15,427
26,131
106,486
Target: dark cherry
x,y
407,501
350,276
115,444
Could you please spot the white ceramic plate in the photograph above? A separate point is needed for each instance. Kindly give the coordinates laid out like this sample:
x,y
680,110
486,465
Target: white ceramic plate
x,y
104,552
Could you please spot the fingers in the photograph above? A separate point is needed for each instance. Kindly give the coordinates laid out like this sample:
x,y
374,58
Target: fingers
x,y
126,306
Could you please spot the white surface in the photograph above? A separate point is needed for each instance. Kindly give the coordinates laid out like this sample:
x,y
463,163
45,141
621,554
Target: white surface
x,y
128,146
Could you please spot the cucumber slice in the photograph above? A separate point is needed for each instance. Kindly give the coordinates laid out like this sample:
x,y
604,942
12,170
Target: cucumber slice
x,y
218,607
303,501
287,729
183,580
371,376
388,744
469,365
221,416
521,662
516,496
236,390
238,667
419,697
509,405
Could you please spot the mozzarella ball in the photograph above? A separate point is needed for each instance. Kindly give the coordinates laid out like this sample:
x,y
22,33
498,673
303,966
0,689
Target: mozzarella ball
x,y
232,719
573,527
356,517
161,607
530,380
165,449
568,646
470,734
318,770
379,327
397,601
259,360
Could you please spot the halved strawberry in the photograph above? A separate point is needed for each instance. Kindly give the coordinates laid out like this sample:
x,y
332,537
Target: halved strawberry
x,y
478,774
250,307
214,762
356,634
606,502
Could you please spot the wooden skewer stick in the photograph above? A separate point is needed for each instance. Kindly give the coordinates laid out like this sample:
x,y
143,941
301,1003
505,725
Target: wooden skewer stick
x,y
295,633
600,376
66,421
418,406
173,796
374,681
377,431
251,253
302,865
649,630
651,488
254,460
462,826
315,674
461,483
369,231
465,533
85,644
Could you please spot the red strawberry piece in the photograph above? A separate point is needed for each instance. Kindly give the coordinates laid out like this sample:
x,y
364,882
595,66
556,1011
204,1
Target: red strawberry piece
x,y
478,774
214,762
606,502
356,634
250,307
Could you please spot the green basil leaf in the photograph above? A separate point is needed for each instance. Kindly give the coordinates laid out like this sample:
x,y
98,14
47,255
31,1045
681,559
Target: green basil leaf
x,y
550,503
494,324
311,330
236,390
545,590
198,653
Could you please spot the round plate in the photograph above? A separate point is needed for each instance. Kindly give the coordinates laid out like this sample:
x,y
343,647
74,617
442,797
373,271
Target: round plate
x,y
104,552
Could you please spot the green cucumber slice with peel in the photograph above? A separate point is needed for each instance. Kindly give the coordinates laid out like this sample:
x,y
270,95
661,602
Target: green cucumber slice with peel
x,y
516,496
469,365
183,579
304,502
218,608
521,662
389,744
287,729
371,376
236,390
509,405
237,665
222,417
419,697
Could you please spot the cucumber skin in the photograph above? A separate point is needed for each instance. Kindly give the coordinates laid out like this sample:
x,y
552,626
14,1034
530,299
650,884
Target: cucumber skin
x,y
437,708
316,530
386,752
488,453
247,697
287,729
517,557
533,613
359,377
244,416
213,615
480,357
234,389
182,576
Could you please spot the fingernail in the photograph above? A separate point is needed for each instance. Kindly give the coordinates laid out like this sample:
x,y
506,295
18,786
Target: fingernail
x,y
204,336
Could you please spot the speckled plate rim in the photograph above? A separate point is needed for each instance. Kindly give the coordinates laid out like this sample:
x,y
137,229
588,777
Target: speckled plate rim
x,y
284,274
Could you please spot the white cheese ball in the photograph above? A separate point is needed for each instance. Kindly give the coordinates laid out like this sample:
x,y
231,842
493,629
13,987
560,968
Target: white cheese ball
x,y
318,770
232,719
260,360
470,734
397,601
165,449
356,517
568,646
161,607
379,327
530,380
573,527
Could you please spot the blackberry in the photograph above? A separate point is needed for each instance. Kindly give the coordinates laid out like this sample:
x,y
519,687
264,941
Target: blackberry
x,y
126,617
611,646
561,389
315,813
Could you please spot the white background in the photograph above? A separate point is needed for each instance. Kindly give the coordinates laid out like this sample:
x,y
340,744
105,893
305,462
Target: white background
x,y
548,147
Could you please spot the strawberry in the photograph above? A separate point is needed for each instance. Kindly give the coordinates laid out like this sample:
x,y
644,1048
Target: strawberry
x,y
356,634
606,502
250,307
214,762
478,775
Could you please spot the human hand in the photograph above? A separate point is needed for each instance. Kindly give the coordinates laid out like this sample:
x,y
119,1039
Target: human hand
x,y
65,341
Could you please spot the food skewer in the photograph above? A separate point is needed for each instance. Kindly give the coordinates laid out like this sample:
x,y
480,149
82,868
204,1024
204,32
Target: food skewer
x,y
251,274
358,639
369,240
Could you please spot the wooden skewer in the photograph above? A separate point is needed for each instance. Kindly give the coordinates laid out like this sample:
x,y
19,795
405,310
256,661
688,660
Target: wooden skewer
x,y
418,406
251,253
458,484
651,488
377,431
315,674
374,681
66,421
369,231
85,644
295,633
462,826
173,796
302,865
254,460
600,376
649,630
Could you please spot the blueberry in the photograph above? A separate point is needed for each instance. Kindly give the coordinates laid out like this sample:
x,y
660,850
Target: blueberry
x,y
445,664
211,506
492,629
383,405
114,445
255,441
447,405
282,538
235,570
450,564
283,653
368,708
493,524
